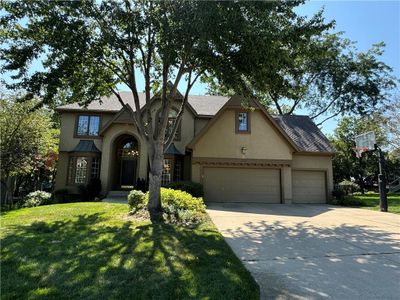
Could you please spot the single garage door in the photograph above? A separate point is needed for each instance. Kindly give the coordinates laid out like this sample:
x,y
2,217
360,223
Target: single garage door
x,y
241,185
309,187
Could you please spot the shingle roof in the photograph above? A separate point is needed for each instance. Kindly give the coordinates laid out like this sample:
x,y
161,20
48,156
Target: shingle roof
x,y
203,105
86,146
207,105
304,133
108,104
301,129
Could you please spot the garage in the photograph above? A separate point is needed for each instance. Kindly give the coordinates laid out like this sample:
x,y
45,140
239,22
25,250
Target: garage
x,y
242,185
309,186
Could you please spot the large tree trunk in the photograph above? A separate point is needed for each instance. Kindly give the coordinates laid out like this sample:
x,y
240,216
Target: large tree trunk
x,y
156,167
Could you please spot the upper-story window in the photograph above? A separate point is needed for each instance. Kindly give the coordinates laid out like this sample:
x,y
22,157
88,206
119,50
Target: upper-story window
x,y
172,115
88,125
242,122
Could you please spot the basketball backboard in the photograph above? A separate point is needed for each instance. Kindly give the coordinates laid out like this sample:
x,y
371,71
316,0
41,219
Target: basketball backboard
x,y
365,142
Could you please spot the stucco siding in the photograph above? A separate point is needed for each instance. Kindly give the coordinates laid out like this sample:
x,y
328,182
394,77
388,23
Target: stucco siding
x,y
67,132
221,140
107,158
199,124
62,171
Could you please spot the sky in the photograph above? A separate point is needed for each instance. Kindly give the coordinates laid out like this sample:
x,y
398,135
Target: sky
x,y
365,22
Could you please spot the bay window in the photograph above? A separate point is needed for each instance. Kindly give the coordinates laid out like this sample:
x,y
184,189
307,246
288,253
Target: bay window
x,y
82,168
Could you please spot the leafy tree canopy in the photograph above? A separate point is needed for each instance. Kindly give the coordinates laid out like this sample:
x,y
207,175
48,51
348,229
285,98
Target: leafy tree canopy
x,y
345,163
27,137
329,77
89,48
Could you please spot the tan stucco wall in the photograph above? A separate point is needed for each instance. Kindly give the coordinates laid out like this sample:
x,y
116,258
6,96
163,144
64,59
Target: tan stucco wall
x,y
221,140
187,125
62,171
67,139
187,131
199,124
315,162
107,157
286,184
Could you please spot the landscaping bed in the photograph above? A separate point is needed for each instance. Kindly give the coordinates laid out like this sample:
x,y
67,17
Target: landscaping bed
x,y
93,251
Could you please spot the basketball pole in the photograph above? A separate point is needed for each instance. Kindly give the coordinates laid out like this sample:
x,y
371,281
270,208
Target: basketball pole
x,y
382,180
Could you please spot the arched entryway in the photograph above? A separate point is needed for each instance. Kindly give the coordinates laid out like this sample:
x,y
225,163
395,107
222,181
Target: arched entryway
x,y
126,162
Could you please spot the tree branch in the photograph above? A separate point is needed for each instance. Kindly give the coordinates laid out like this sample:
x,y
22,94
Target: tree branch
x,y
278,107
334,115
181,110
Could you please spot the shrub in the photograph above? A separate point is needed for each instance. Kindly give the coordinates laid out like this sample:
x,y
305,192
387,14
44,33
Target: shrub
x,y
136,200
37,198
349,201
357,194
178,207
338,193
83,192
142,185
61,196
349,187
370,193
93,188
193,188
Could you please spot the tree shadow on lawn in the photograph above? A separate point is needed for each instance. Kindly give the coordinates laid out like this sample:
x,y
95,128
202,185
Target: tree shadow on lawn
x,y
79,259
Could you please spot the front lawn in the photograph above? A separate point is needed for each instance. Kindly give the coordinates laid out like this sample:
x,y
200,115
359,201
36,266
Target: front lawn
x,y
372,202
93,251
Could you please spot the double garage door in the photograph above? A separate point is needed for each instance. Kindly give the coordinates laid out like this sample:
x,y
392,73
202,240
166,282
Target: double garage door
x,y
261,185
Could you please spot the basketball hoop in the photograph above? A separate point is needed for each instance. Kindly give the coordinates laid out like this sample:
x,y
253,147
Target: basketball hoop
x,y
364,142
360,150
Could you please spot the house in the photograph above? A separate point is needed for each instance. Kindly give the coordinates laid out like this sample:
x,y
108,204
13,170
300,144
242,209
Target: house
x,y
239,154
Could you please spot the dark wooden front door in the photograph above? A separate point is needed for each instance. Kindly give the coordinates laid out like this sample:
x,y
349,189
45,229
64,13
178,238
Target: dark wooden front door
x,y
128,173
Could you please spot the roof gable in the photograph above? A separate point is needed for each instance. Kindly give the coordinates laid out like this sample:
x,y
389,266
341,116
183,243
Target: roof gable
x,y
236,102
122,117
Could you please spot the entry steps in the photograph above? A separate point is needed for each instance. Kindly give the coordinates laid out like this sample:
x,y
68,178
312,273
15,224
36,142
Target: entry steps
x,y
117,197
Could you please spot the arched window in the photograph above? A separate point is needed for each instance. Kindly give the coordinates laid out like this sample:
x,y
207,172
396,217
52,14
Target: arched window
x,y
128,149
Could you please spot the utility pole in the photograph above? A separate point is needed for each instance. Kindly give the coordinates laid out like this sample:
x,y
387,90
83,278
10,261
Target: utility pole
x,y
382,180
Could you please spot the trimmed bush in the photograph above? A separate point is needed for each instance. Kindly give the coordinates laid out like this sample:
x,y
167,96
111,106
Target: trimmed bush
x,y
338,193
37,198
193,188
61,196
137,200
83,192
94,188
349,201
349,187
178,207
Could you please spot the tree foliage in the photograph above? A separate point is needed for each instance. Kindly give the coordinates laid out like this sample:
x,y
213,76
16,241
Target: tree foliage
x,y
345,163
89,48
329,77
27,137
28,144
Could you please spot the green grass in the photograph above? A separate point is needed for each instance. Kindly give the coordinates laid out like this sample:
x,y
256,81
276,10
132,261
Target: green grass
x,y
92,251
372,202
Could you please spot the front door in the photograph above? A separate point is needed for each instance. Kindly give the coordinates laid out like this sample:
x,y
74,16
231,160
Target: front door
x,y
128,173
128,155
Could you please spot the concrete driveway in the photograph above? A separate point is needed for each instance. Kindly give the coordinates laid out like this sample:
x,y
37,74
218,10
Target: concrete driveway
x,y
314,251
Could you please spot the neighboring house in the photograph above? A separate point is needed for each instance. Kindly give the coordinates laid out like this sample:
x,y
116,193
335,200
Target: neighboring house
x,y
238,154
